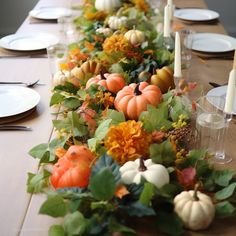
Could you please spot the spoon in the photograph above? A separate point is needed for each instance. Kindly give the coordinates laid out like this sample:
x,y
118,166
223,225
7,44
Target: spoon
x,y
15,127
29,84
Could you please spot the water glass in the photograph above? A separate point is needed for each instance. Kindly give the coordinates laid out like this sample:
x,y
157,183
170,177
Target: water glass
x,y
211,127
186,37
57,55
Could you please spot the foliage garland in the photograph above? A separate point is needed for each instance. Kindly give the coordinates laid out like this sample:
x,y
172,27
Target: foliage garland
x,y
104,203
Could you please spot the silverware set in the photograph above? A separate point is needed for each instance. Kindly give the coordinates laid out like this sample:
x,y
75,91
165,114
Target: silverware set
x,y
27,84
15,127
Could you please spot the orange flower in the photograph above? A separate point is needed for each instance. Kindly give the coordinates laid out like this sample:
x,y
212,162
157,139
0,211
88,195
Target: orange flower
x,y
116,43
90,14
141,5
127,141
89,46
121,191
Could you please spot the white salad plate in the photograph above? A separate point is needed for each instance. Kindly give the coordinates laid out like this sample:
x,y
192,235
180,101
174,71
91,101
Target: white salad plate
x,y
15,100
50,13
215,43
194,14
220,92
28,41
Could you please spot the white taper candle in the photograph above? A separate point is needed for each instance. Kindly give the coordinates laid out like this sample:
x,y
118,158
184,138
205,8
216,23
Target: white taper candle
x,y
166,22
230,95
177,64
171,9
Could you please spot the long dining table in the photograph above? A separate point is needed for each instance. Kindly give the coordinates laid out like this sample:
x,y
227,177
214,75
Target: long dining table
x,y
19,209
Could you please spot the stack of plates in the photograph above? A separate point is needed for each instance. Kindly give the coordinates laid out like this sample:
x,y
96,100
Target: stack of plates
x,y
16,102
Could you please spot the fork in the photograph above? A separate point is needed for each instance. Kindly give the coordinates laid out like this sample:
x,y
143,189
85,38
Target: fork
x,y
29,84
15,127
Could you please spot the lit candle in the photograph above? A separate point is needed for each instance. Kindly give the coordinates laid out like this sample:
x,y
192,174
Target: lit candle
x,y
177,65
171,9
230,95
166,22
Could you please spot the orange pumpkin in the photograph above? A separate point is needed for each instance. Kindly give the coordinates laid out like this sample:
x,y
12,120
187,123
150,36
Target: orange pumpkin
x,y
73,169
135,98
112,82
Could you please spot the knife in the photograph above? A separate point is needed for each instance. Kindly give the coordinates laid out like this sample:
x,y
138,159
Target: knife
x,y
15,127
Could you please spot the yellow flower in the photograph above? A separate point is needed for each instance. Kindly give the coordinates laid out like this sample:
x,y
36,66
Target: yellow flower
x,y
116,43
181,122
127,141
141,5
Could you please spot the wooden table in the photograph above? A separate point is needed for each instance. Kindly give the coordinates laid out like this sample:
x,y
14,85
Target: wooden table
x,y
19,210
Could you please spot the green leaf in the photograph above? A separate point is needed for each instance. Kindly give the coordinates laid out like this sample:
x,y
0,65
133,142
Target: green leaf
x,y
56,98
102,129
223,177
115,226
169,223
162,153
224,209
106,161
171,190
56,230
36,182
75,224
117,117
54,206
62,125
196,155
147,194
102,184
72,103
39,150
93,144
225,192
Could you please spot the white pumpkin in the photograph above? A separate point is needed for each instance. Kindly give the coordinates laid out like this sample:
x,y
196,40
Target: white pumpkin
x,y
116,22
105,31
107,5
135,36
133,171
61,77
195,209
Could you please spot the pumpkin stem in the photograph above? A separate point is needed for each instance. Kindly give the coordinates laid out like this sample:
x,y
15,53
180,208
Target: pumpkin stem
x,y
137,91
195,197
142,166
102,75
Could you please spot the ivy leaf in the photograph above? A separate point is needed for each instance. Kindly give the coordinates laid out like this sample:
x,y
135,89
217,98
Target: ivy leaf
x,y
194,156
54,206
56,98
169,223
106,161
39,150
147,194
162,153
93,144
36,182
102,184
224,209
56,230
71,103
223,177
225,192
53,145
117,117
138,209
102,129
75,224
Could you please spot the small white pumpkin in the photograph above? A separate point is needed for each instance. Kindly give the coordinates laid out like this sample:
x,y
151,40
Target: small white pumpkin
x,y
135,36
133,171
195,209
107,5
116,22
61,77
105,31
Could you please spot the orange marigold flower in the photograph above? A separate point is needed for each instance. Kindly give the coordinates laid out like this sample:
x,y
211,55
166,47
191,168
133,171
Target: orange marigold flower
x,y
95,15
121,191
116,43
89,46
127,141
141,5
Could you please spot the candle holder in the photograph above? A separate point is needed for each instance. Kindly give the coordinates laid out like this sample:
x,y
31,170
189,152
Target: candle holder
x,y
168,43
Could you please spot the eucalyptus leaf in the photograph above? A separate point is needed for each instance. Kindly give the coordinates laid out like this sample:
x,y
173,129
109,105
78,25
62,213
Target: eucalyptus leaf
x,y
54,206
224,209
225,192
56,230
223,177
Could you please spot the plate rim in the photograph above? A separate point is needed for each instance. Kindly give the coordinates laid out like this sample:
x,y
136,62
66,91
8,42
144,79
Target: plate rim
x,y
215,14
29,107
4,41
213,35
34,12
216,91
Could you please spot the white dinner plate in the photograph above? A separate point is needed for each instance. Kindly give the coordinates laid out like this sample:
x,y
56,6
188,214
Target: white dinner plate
x,y
221,91
211,42
15,100
50,13
193,14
